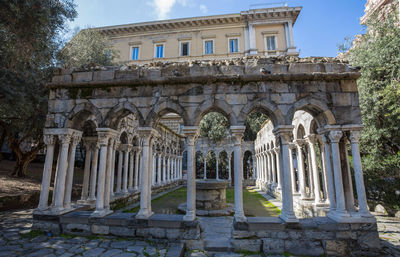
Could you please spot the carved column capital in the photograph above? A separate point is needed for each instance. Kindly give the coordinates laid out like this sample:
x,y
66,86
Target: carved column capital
x,y
355,136
65,139
237,134
335,136
49,140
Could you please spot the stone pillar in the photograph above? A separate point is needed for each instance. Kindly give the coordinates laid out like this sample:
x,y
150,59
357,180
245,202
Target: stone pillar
x,y
180,167
107,185
136,181
278,168
126,169
119,172
216,170
205,166
86,171
285,133
341,211
164,163
159,170
168,171
103,142
254,165
229,168
300,164
358,174
328,170
252,40
147,134
273,169
314,168
292,173
93,176
191,133
50,141
153,169
59,188
237,133
131,167
76,138
117,143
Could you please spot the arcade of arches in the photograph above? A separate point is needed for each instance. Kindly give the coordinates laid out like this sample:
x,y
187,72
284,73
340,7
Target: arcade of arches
x,y
300,154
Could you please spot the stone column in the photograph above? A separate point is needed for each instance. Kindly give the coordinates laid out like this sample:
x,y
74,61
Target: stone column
x,y
159,170
136,181
168,170
131,167
341,211
284,133
119,172
229,168
314,167
191,133
59,189
76,138
126,170
292,174
358,174
50,141
153,169
216,171
205,166
93,176
107,185
254,165
164,163
252,40
147,134
103,142
86,170
237,133
273,169
117,143
328,170
278,168
300,164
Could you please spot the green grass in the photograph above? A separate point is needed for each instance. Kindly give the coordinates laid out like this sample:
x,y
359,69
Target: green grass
x,y
254,203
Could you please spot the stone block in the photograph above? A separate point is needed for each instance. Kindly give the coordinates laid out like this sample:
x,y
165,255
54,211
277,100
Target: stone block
x,y
103,75
242,234
76,229
341,99
176,250
122,231
283,98
273,246
119,219
166,221
236,99
369,240
192,233
279,234
100,229
143,232
349,86
194,244
304,247
306,67
251,245
47,226
336,248
173,234
279,87
127,75
151,73
62,79
158,232
335,67
322,235
82,76
77,217
346,235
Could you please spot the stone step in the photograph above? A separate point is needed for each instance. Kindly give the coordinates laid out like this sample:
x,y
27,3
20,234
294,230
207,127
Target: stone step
x,y
176,250
218,245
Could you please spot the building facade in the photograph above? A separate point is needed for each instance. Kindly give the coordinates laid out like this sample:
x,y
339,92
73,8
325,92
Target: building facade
x,y
266,32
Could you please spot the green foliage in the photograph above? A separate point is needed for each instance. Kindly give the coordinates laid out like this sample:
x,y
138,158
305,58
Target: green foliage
x,y
254,122
214,126
29,38
87,47
378,54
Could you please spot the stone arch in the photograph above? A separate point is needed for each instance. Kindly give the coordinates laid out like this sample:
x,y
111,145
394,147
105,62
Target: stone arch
x,y
119,111
300,131
81,113
263,106
319,110
220,106
163,108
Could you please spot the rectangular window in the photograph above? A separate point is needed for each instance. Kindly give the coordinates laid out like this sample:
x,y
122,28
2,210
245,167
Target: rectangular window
x,y
159,51
209,47
233,45
271,43
135,53
185,49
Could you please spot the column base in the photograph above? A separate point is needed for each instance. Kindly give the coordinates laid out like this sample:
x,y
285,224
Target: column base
x,y
289,218
57,211
341,217
144,215
101,213
240,218
189,216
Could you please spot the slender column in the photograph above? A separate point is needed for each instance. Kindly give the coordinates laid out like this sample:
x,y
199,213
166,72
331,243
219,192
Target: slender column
x,y
136,179
310,174
272,178
273,169
145,212
229,168
205,166
324,176
131,167
292,174
168,168
50,141
103,142
217,162
317,185
59,188
164,163
254,165
181,168
117,143
191,133
153,169
76,137
300,164
55,178
278,168
159,170
284,134
126,169
358,174
329,174
109,166
93,176
335,137
237,133
86,170
119,172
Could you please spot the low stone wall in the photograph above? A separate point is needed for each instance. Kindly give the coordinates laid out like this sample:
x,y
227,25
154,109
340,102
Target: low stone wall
x,y
312,237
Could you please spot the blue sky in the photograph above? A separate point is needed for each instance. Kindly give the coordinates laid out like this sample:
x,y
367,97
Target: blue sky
x,y
322,24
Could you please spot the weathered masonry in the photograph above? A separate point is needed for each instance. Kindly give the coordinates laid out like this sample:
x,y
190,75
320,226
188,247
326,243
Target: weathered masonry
x,y
281,88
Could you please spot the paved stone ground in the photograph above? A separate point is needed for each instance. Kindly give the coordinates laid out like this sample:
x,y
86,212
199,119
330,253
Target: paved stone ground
x,y
15,240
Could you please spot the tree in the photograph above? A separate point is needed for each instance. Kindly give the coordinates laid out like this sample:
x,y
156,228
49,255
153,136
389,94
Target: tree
x,y
29,39
377,53
88,46
214,126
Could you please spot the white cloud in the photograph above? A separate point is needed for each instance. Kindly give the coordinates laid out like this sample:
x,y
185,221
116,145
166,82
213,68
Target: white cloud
x,y
203,8
163,7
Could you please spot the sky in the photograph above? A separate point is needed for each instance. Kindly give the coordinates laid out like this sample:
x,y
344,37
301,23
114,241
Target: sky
x,y
321,26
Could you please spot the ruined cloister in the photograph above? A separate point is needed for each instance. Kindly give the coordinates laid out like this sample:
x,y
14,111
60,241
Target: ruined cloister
x,y
299,156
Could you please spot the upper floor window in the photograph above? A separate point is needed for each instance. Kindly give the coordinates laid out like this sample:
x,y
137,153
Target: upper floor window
x,y
185,49
233,45
135,53
159,51
271,43
209,47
